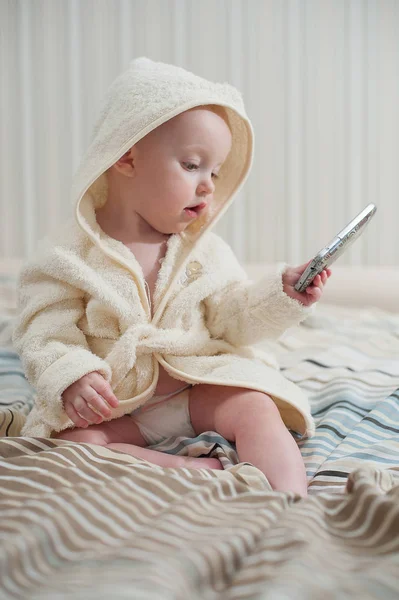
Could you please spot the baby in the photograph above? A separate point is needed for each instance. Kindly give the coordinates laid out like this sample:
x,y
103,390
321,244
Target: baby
x,y
136,322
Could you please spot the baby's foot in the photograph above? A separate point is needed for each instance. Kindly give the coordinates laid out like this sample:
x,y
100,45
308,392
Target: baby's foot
x,y
200,463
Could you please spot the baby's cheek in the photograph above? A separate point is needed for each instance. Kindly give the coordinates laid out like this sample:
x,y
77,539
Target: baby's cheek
x,y
176,191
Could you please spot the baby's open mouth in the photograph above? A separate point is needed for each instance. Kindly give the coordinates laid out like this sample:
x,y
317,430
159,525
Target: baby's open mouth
x,y
195,210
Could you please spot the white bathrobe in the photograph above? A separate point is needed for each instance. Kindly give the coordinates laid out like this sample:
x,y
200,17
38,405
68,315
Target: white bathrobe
x,y
83,305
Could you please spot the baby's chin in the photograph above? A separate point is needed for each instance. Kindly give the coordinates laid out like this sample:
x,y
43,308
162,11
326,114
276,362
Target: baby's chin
x,y
171,229
167,230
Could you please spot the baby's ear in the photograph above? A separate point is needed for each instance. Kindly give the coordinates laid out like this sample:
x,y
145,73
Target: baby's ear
x,y
125,165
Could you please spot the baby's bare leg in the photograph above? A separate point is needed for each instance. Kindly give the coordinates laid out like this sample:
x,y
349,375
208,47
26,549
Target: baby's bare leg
x,y
251,420
124,435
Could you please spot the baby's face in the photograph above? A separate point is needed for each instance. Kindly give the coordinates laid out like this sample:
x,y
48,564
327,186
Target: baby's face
x,y
176,166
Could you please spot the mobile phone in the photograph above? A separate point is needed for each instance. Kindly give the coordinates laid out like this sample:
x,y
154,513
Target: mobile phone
x,y
336,247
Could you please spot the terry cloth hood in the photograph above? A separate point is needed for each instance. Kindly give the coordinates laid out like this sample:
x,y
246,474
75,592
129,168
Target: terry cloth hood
x,y
139,100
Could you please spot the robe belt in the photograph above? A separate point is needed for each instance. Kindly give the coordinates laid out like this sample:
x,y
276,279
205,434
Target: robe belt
x,y
145,339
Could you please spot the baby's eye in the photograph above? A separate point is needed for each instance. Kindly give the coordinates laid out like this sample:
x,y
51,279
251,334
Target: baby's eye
x,y
188,165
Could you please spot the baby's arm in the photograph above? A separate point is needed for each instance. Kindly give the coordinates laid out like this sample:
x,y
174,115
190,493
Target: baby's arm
x,y
53,349
247,311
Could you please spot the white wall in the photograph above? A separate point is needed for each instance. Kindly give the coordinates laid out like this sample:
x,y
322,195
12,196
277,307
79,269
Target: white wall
x,y
320,80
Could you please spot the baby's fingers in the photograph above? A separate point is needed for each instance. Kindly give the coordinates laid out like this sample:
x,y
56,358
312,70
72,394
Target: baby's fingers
x,y
98,404
325,274
86,406
318,281
314,291
74,416
102,387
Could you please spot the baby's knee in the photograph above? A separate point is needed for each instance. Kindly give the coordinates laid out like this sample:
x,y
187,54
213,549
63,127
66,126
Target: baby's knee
x,y
253,404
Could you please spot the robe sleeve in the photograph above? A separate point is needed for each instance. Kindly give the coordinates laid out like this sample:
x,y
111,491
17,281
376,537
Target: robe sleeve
x,y
247,312
53,349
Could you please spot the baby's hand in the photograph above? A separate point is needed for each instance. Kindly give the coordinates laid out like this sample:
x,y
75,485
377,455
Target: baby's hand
x,y
312,293
90,392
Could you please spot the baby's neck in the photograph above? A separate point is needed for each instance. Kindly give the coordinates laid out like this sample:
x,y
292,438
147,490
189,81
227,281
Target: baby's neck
x,y
137,231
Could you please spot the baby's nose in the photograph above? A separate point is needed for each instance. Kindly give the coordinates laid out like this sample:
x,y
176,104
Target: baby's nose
x,y
207,186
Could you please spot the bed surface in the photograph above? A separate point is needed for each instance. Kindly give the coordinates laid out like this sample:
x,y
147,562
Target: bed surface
x,y
80,521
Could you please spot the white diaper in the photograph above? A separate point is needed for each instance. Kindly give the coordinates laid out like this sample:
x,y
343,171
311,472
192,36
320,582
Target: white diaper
x,y
165,416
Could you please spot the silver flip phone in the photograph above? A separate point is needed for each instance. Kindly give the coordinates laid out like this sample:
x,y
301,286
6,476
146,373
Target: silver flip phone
x,y
336,247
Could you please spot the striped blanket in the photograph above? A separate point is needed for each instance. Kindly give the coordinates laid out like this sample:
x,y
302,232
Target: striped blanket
x,y
81,521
